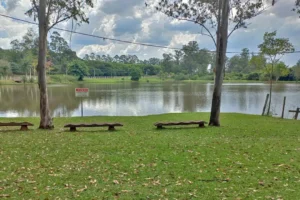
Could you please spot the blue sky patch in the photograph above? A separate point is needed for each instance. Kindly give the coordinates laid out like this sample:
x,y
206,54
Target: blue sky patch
x,y
3,34
3,3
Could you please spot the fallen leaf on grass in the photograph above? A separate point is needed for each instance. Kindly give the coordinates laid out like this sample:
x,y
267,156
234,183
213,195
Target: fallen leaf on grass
x,y
126,191
261,183
82,189
115,182
93,181
31,182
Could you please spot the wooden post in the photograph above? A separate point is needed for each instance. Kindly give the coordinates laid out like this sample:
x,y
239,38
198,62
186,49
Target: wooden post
x,y
81,107
283,107
297,113
24,128
264,109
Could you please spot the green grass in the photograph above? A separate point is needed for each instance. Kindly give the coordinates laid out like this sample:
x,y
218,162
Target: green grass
x,y
249,157
67,79
151,79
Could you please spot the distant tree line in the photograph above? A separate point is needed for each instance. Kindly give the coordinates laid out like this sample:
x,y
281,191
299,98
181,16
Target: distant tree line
x,y
247,66
190,62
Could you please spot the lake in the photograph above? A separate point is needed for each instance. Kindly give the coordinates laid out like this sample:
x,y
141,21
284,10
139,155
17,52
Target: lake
x,y
137,99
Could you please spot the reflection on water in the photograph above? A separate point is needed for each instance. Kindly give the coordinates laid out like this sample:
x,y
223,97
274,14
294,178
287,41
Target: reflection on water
x,y
135,99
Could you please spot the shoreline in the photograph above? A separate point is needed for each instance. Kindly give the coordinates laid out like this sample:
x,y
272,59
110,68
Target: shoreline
x,y
70,80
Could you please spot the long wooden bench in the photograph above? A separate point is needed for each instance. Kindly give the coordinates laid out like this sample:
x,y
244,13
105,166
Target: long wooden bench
x,y
111,126
24,125
160,125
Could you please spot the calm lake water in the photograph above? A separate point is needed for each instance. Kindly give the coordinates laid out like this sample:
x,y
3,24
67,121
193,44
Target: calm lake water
x,y
136,99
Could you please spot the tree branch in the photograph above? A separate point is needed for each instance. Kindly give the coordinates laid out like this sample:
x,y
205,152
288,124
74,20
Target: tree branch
x,y
243,19
58,21
209,33
48,12
235,28
34,4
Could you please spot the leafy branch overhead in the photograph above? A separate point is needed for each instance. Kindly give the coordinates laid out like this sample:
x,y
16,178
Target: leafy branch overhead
x,y
61,10
297,6
273,47
205,12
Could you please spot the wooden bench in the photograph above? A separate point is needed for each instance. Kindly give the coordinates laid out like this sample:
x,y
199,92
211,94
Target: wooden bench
x,y
160,125
111,126
24,125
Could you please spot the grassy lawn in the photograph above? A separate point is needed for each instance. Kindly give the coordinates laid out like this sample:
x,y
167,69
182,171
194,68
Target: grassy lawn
x,y
63,79
150,79
249,157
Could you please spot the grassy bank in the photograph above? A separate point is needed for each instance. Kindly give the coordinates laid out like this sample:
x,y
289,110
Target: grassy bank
x,y
63,79
249,157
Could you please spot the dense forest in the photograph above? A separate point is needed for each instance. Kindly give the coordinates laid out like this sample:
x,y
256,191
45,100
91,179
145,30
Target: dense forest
x,y
190,62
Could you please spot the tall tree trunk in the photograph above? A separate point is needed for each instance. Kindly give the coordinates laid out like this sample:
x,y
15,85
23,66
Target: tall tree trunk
x,y
222,37
271,87
46,121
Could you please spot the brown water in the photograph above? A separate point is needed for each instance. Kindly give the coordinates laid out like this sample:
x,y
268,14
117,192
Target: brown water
x,y
136,99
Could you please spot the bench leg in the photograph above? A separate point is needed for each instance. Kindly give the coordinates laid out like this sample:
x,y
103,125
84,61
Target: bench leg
x,y
24,128
201,125
159,127
72,128
111,128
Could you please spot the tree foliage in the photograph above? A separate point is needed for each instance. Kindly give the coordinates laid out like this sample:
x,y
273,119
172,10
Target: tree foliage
x,y
135,74
61,10
280,69
296,71
190,62
78,68
240,63
297,7
273,47
205,13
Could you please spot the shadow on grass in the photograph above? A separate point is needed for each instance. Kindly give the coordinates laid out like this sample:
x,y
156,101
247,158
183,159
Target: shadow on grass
x,y
16,131
90,131
179,128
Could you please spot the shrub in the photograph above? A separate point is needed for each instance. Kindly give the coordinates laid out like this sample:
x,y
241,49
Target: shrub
x,y
194,77
181,77
135,75
24,79
253,76
208,77
264,77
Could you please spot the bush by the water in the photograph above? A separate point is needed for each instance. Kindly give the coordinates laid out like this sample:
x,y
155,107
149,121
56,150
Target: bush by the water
x,y
253,76
62,79
194,77
181,77
135,74
207,77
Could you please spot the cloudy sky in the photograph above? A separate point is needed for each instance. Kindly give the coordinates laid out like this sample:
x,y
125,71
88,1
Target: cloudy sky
x,y
131,20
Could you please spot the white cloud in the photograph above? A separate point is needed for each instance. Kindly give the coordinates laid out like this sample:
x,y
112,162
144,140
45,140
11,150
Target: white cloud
x,y
134,22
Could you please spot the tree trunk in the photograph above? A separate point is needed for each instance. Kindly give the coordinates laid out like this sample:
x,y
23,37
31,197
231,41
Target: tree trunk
x,y
45,121
222,36
271,86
